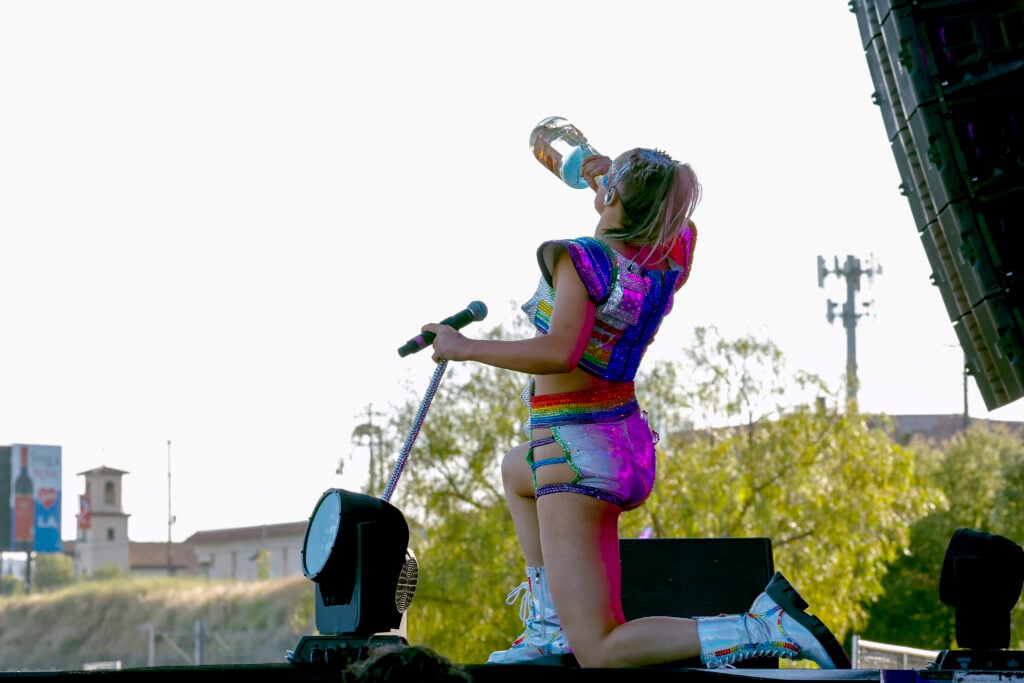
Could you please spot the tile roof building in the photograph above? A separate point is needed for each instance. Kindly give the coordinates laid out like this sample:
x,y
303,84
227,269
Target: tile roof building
x,y
246,553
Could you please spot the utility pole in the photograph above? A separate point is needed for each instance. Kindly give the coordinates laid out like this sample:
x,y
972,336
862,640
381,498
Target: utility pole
x,y
170,517
967,414
373,436
966,417
851,271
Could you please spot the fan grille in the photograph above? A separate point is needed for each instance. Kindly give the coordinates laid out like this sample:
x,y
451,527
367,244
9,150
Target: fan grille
x,y
407,579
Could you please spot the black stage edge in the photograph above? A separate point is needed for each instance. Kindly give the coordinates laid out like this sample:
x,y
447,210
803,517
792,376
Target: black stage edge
x,y
290,673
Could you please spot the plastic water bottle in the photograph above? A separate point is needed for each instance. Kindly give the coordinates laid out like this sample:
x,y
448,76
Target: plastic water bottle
x,y
561,148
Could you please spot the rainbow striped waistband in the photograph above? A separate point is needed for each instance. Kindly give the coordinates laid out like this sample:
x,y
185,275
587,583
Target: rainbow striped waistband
x,y
583,407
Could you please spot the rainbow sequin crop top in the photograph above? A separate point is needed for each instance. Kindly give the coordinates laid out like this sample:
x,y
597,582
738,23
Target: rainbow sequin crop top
x,y
630,302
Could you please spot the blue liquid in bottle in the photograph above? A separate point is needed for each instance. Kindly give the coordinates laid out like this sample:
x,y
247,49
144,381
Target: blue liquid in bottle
x,y
572,164
561,148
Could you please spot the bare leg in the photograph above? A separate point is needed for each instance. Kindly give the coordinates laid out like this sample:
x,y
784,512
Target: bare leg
x,y
517,477
579,536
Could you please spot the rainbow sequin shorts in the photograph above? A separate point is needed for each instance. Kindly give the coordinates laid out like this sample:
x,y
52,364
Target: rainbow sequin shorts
x,y
605,439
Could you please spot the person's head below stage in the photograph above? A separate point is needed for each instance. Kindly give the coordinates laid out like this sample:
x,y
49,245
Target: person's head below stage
x,y
404,664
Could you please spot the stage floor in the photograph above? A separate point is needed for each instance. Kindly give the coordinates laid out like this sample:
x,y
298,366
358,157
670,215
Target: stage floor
x,y
307,673
314,673
291,673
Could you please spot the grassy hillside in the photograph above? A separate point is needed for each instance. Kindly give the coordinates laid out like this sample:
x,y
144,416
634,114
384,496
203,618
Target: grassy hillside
x,y
141,621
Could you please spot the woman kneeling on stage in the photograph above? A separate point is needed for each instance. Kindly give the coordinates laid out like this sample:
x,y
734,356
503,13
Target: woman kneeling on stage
x,y
591,454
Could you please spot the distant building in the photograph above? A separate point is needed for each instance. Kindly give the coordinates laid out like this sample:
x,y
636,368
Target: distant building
x,y
102,523
234,553
103,541
161,559
939,428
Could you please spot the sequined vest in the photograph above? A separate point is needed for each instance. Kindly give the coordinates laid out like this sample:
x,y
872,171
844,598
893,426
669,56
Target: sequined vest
x,y
630,301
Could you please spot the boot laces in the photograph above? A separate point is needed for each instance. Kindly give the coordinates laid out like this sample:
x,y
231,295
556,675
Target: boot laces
x,y
765,638
522,594
760,650
770,639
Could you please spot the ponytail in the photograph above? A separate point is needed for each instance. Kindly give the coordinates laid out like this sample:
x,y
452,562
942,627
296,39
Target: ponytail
x,y
659,195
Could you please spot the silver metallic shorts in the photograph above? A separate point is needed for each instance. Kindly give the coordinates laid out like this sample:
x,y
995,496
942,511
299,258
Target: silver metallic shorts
x,y
604,438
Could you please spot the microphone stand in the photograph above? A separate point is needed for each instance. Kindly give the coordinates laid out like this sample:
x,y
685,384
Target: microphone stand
x,y
417,424
340,640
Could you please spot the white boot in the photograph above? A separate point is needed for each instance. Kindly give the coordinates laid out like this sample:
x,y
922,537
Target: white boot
x,y
775,626
544,635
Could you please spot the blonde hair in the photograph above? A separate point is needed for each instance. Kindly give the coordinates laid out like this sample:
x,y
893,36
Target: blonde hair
x,y
658,196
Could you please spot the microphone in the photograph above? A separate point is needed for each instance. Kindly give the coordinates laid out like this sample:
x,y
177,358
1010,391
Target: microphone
x,y
474,312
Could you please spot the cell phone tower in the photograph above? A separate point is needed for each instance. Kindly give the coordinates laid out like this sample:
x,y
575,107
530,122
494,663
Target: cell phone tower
x,y
851,270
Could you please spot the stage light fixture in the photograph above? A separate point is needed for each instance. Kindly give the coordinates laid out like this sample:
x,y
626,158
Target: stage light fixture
x,y
982,577
356,552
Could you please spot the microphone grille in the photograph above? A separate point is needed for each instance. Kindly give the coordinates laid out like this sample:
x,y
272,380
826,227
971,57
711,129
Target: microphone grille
x,y
478,309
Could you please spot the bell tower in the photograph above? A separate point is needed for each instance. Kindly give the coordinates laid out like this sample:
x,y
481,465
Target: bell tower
x,y
103,531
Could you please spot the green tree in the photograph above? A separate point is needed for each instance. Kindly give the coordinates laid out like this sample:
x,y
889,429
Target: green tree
x,y
11,585
980,473
728,381
263,560
52,570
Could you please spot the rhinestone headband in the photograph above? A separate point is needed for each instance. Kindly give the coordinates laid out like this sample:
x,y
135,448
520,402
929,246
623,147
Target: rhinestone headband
x,y
655,157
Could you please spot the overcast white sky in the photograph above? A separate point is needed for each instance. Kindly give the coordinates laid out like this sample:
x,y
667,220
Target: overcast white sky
x,y
220,219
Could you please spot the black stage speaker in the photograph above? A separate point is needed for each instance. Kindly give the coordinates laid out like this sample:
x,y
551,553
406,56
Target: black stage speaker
x,y
693,577
949,80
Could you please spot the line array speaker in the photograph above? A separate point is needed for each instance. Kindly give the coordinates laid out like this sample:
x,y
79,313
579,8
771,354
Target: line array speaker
x,y
949,80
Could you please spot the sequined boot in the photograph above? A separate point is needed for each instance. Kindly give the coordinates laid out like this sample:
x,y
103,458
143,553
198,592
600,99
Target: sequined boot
x,y
544,635
775,626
